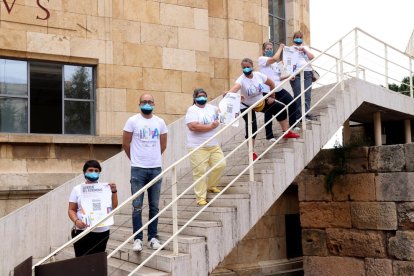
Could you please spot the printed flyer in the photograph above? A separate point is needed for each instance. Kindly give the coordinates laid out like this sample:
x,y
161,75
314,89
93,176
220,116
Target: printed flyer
x,y
229,108
290,59
96,203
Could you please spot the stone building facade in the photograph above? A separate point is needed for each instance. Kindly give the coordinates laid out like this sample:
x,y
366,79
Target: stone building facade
x,y
115,50
364,226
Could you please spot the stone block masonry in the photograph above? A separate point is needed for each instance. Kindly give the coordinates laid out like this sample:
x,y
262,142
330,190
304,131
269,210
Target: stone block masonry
x,y
365,224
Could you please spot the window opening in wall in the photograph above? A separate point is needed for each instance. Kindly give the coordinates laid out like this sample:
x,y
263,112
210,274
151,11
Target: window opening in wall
x,y
13,96
46,97
277,22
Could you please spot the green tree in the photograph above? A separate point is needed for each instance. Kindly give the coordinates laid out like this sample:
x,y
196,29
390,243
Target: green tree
x,y
404,87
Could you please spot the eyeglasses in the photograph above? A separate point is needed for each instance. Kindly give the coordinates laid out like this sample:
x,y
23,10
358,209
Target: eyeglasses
x,y
146,102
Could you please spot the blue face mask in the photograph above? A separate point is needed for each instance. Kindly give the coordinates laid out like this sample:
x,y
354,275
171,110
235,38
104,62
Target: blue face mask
x,y
298,40
247,71
146,108
201,100
269,53
92,176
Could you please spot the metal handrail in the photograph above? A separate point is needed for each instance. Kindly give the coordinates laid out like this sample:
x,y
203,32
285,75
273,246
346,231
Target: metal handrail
x,y
186,156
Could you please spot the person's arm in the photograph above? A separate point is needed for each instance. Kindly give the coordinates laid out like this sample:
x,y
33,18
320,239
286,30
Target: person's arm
x,y
114,197
72,209
126,142
270,83
276,56
197,127
272,86
309,54
163,142
236,87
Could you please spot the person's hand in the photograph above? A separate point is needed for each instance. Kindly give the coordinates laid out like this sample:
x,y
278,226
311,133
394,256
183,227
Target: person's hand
x,y
242,98
215,124
270,100
301,49
281,45
113,187
80,224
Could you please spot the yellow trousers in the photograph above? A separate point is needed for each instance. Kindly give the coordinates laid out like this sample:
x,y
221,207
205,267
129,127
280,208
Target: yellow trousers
x,y
201,161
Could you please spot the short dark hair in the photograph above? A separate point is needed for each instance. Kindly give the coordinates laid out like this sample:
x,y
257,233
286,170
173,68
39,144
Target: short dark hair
x,y
91,164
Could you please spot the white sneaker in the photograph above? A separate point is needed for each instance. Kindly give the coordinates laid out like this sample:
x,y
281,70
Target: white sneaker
x,y
272,140
137,247
154,243
296,128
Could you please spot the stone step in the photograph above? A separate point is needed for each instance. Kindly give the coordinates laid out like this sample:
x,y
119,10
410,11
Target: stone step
x,y
164,260
122,220
185,242
184,212
118,267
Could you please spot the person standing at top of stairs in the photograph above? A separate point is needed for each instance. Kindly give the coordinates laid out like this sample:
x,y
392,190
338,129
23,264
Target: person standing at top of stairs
x,y
251,86
202,122
304,56
144,140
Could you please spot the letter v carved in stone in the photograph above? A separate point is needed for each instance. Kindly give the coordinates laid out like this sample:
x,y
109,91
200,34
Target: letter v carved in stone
x,y
9,8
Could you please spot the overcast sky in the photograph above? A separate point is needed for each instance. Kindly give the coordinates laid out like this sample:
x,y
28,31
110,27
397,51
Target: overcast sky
x,y
391,21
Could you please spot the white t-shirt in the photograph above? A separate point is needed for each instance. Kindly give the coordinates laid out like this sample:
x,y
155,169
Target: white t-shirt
x,y
205,116
252,89
145,144
302,60
272,71
75,197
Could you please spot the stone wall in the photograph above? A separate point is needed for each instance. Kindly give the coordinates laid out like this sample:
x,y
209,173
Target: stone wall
x,y
364,226
30,166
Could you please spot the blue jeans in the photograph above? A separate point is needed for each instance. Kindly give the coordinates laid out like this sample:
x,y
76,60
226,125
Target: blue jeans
x,y
296,92
139,178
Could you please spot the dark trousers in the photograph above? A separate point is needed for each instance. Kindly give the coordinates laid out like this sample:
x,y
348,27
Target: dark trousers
x,y
90,244
296,92
271,110
284,97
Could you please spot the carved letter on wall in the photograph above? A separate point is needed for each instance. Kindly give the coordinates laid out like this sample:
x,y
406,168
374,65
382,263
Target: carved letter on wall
x,y
44,9
8,8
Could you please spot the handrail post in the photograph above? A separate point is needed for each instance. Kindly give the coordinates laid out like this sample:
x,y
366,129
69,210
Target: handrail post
x,y
302,99
386,65
411,77
356,54
341,65
337,69
250,144
174,209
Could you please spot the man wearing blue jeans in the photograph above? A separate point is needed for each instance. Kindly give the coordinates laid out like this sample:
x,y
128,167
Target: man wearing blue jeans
x,y
144,141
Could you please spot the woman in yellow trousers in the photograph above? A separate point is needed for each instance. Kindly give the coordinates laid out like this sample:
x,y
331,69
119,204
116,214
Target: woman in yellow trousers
x,y
202,122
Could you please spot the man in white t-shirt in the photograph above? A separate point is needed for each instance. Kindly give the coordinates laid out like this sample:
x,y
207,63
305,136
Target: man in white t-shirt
x,y
202,122
144,141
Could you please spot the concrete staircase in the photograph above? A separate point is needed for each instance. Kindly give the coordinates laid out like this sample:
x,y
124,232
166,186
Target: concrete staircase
x,y
207,240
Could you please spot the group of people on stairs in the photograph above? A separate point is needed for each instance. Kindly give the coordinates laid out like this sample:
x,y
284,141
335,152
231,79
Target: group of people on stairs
x,y
145,140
